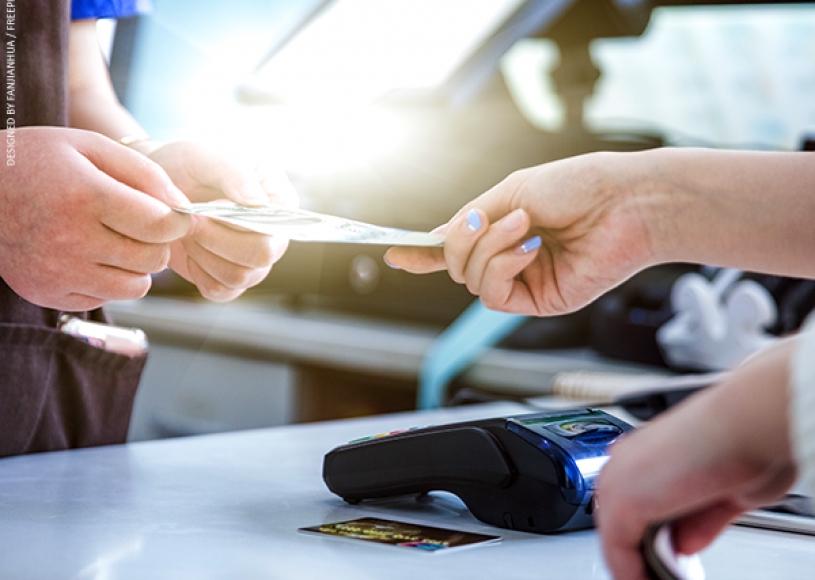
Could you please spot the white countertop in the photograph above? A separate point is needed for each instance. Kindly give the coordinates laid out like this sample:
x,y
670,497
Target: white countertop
x,y
228,506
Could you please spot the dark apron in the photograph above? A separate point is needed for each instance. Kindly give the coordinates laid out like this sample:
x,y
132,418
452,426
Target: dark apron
x,y
56,392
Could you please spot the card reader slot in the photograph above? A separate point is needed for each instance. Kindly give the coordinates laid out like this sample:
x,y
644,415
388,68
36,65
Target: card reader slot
x,y
417,462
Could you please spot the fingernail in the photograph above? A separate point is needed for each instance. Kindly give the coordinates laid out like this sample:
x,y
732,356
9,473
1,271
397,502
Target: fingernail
x,y
473,221
441,229
178,199
513,220
529,245
389,265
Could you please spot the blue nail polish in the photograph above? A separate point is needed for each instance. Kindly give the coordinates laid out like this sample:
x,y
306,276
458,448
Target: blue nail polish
x,y
531,244
473,220
389,265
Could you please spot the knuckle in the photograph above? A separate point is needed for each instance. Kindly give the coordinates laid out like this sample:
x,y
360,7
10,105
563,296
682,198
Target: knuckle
x,y
515,181
80,193
158,259
521,175
264,254
492,303
236,277
150,168
516,177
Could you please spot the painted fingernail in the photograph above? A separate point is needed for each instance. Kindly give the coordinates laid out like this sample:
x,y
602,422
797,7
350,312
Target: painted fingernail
x,y
513,220
389,265
529,245
473,221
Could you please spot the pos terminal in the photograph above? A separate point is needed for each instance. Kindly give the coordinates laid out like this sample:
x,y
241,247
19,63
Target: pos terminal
x,y
532,472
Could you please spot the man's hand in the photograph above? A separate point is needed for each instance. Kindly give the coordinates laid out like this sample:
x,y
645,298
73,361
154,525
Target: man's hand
x,y
84,220
221,260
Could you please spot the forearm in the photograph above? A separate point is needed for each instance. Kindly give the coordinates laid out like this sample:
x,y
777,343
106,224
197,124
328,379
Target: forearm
x,y
752,404
748,210
92,102
97,111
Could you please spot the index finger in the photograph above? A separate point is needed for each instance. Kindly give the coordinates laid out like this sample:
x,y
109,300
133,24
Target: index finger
x,y
493,204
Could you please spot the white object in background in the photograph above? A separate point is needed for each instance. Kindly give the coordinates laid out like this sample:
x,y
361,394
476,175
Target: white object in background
x,y
106,30
601,387
718,323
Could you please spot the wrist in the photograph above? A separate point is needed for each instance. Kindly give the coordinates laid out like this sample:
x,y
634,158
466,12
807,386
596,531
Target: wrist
x,y
638,205
673,205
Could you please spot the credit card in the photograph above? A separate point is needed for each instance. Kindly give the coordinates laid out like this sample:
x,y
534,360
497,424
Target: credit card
x,y
401,534
307,226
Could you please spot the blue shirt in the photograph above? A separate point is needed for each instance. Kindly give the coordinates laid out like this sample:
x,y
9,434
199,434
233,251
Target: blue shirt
x,y
83,9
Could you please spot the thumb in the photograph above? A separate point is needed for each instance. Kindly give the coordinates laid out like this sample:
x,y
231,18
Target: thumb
x,y
132,169
694,532
415,260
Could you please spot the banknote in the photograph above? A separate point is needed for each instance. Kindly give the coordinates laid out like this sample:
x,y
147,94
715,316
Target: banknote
x,y
308,226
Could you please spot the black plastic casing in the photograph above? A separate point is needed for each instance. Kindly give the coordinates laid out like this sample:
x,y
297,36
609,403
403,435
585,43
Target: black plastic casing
x,y
504,479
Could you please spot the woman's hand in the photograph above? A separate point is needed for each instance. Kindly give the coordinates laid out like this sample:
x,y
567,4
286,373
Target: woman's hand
x,y
546,240
602,217
720,453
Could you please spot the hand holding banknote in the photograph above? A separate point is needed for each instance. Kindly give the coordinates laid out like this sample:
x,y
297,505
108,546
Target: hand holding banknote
x,y
85,220
545,241
223,261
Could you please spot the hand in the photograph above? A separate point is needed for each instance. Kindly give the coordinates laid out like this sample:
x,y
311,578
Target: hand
x,y
77,228
718,454
581,211
221,260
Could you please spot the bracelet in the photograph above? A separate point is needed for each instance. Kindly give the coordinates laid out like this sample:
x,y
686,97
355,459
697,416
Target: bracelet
x,y
130,140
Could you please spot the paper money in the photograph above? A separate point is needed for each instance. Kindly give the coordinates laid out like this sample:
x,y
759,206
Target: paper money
x,y
308,226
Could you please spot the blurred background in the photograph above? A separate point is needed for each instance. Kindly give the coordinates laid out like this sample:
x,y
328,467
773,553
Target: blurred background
x,y
397,113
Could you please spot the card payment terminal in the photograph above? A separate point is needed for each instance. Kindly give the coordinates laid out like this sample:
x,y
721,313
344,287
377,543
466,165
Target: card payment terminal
x,y
531,472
